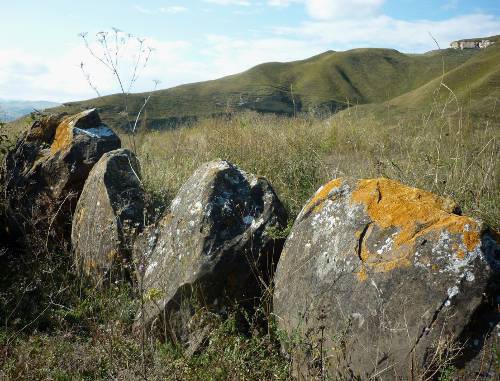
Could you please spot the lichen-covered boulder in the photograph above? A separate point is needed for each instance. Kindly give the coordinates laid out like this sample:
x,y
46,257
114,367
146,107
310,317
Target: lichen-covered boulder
x,y
45,172
215,247
108,216
378,280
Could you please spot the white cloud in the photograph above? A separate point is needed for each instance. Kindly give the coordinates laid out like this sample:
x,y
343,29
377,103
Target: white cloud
x,y
173,9
335,9
140,9
245,3
170,9
282,3
227,55
59,78
24,75
387,32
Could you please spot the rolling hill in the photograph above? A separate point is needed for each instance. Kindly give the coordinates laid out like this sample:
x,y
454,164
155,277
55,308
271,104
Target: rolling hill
x,y
474,86
327,82
380,79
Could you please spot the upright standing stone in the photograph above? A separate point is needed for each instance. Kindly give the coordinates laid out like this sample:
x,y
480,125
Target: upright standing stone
x,y
45,172
108,216
213,249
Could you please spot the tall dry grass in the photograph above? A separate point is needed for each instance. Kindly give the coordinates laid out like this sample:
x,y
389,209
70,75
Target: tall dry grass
x,y
449,154
286,151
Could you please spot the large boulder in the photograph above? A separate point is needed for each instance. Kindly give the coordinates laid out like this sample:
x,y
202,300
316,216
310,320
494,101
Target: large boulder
x,y
108,216
215,247
378,280
45,172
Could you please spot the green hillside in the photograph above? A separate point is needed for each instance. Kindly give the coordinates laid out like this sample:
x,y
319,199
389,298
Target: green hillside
x,y
327,82
473,86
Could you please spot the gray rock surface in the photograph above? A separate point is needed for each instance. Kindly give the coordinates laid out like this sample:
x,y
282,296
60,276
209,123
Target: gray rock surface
x,y
382,281
213,249
45,172
108,216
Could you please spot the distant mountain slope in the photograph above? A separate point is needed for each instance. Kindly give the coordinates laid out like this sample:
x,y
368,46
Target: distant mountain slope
x,y
13,109
329,81
473,86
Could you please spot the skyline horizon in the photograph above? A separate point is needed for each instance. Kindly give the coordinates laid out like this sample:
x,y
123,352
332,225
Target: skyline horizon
x,y
201,40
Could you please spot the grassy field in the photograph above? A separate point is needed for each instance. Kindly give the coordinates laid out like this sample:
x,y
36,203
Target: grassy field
x,y
450,155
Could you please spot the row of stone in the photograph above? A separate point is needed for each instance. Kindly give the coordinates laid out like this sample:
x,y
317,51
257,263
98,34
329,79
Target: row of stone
x,y
376,279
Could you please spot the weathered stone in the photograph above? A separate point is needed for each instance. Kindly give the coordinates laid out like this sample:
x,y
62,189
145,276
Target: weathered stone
x,y
214,248
108,215
379,279
479,361
45,172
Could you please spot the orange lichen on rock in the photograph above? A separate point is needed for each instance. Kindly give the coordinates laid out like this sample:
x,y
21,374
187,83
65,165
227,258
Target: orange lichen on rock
x,y
413,212
362,274
460,254
471,239
376,262
322,194
63,136
380,266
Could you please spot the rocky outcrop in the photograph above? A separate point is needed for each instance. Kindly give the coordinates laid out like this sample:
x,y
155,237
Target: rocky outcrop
x,y
471,44
45,172
109,214
213,249
384,281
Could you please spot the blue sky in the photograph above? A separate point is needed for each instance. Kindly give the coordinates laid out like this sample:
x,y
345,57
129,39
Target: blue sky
x,y
193,40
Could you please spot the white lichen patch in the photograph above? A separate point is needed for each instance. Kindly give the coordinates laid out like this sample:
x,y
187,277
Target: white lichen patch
x,y
102,131
330,237
452,291
460,266
197,208
469,276
150,268
227,207
220,165
96,133
451,263
386,246
208,209
175,202
442,246
325,263
256,223
248,220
